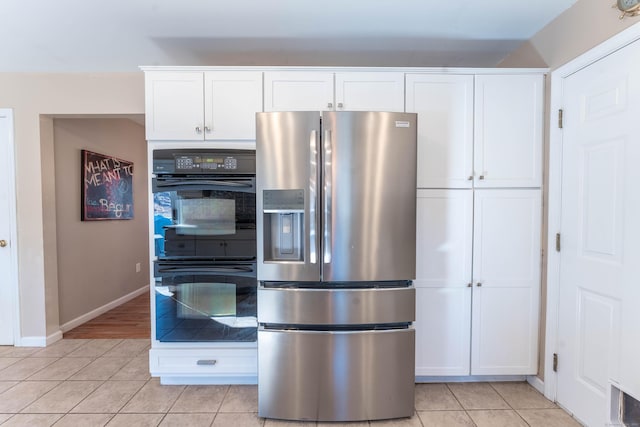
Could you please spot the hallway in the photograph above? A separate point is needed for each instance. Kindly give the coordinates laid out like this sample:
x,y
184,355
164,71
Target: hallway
x,y
130,320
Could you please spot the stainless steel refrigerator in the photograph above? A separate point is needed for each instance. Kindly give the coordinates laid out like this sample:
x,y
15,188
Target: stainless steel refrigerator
x,y
336,203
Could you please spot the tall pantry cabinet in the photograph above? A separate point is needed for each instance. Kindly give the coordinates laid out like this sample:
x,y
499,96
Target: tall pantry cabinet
x,y
478,222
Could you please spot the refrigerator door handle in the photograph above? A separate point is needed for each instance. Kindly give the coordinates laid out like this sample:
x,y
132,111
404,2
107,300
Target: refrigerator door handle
x,y
313,195
327,196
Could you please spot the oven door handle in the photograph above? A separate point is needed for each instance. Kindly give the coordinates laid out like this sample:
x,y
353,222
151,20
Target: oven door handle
x,y
186,182
195,270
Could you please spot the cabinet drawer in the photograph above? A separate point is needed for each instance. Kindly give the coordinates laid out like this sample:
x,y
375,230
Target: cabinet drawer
x,y
203,362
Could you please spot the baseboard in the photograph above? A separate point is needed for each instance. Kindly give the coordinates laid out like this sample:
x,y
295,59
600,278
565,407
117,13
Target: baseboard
x,y
536,383
56,336
101,310
468,378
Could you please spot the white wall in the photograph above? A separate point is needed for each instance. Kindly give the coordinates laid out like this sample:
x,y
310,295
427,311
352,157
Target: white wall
x,y
31,96
581,27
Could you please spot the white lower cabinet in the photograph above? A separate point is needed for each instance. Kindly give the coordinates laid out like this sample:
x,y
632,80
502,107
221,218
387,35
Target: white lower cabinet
x,y
478,258
205,365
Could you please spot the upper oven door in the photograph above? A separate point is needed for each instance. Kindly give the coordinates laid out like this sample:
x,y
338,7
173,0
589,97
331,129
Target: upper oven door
x,y
208,217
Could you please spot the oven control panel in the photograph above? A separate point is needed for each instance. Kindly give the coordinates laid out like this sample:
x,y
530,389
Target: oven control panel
x,y
205,163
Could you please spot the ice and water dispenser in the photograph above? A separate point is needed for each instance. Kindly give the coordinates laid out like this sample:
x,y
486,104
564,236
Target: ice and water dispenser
x,y
283,212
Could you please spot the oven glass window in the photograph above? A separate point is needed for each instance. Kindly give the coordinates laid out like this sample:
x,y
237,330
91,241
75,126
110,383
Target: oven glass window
x,y
206,308
204,224
206,216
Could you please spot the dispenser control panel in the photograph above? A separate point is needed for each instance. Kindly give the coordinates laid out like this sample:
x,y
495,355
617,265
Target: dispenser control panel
x,y
283,200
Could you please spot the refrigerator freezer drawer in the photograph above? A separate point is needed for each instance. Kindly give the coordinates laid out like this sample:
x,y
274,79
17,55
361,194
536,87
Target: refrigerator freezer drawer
x,y
336,376
304,306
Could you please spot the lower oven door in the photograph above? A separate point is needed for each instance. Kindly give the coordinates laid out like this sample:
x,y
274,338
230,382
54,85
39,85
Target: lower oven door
x,y
197,303
336,375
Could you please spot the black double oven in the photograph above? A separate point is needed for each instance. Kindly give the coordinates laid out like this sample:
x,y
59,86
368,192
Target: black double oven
x,y
205,245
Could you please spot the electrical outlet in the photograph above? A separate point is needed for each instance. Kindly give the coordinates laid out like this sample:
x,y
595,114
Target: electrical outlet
x,y
137,267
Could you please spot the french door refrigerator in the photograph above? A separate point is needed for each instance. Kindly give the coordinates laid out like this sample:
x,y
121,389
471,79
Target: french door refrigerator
x,y
336,203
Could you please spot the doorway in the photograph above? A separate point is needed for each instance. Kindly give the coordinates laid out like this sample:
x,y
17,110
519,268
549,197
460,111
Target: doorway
x,y
8,239
101,266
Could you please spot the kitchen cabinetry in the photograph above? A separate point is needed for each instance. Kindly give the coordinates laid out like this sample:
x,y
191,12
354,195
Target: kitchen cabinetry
x,y
479,178
198,106
483,134
443,272
204,365
508,130
489,314
444,104
327,91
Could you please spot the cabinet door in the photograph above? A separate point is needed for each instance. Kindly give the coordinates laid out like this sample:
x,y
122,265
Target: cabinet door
x,y
443,298
508,130
506,272
298,91
231,101
174,108
444,104
383,91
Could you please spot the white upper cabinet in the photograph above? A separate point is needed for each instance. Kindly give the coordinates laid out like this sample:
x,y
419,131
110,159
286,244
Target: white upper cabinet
x,y
231,101
370,91
298,91
506,282
444,104
197,106
173,105
508,130
315,91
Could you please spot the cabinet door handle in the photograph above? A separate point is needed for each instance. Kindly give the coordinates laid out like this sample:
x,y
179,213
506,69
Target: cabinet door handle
x,y
469,285
470,178
198,130
206,362
207,129
330,105
340,105
478,284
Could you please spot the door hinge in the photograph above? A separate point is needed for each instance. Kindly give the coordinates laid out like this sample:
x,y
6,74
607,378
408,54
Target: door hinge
x,y
555,362
560,114
557,242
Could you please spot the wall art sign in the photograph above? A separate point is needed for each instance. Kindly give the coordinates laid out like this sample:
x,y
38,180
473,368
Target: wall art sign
x,y
107,187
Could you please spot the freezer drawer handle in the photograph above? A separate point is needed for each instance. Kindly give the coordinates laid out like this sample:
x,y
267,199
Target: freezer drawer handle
x,y
327,196
206,362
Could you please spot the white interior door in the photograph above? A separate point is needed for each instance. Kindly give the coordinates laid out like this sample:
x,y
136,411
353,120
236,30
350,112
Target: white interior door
x,y
600,254
7,223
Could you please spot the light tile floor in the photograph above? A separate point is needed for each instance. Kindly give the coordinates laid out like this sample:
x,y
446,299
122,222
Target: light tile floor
x,y
106,382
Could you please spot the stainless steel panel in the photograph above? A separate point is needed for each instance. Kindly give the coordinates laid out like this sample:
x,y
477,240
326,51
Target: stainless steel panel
x,y
285,146
336,306
336,376
371,181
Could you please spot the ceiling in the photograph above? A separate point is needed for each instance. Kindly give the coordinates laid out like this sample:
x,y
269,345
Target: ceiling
x,y
120,35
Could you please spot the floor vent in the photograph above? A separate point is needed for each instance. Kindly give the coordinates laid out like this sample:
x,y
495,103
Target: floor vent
x,y
625,409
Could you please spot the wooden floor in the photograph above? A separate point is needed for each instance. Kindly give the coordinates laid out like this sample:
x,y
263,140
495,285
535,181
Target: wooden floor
x,y
130,320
